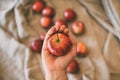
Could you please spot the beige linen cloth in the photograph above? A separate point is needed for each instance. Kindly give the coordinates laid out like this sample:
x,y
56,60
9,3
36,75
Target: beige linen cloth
x,y
19,25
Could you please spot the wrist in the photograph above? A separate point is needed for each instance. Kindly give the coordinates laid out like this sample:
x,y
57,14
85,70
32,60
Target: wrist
x,y
56,75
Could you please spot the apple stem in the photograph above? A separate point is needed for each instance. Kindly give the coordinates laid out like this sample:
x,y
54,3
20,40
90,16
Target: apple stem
x,y
57,38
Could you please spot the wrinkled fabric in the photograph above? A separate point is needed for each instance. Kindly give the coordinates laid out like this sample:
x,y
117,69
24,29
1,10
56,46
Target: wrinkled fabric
x,y
19,25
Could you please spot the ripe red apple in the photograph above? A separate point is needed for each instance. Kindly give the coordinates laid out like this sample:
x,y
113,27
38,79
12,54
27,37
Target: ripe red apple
x,y
42,36
73,67
78,27
59,44
48,11
45,21
59,22
38,6
36,45
69,14
82,49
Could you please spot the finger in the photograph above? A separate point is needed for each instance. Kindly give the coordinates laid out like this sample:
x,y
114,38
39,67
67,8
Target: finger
x,y
48,35
50,32
62,28
57,27
66,31
72,40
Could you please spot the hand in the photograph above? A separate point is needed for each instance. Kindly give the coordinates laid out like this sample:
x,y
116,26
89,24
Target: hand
x,y
56,66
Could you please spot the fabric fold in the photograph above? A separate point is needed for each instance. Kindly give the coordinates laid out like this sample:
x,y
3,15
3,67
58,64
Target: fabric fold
x,y
19,24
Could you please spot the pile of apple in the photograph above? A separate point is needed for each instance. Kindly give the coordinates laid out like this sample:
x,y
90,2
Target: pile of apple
x,y
77,28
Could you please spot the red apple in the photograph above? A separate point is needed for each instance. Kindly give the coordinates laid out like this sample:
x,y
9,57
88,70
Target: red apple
x,y
69,14
42,36
36,45
73,67
48,11
45,22
81,49
59,44
78,27
59,22
38,6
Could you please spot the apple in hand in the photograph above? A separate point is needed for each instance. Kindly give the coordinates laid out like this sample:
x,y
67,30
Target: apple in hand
x,y
69,15
36,45
81,49
78,27
38,6
73,67
59,44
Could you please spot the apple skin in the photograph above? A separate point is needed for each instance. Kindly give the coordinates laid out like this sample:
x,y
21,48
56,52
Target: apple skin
x,y
45,22
48,11
69,15
59,44
78,27
36,45
81,49
73,67
38,6
59,22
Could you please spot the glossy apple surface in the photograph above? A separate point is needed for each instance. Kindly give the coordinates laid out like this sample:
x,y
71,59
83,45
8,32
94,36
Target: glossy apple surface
x,y
38,6
82,49
73,67
45,21
48,11
59,44
36,45
69,15
78,27
59,22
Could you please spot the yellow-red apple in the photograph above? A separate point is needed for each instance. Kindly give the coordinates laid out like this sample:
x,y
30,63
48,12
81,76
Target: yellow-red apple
x,y
82,49
59,44
78,27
